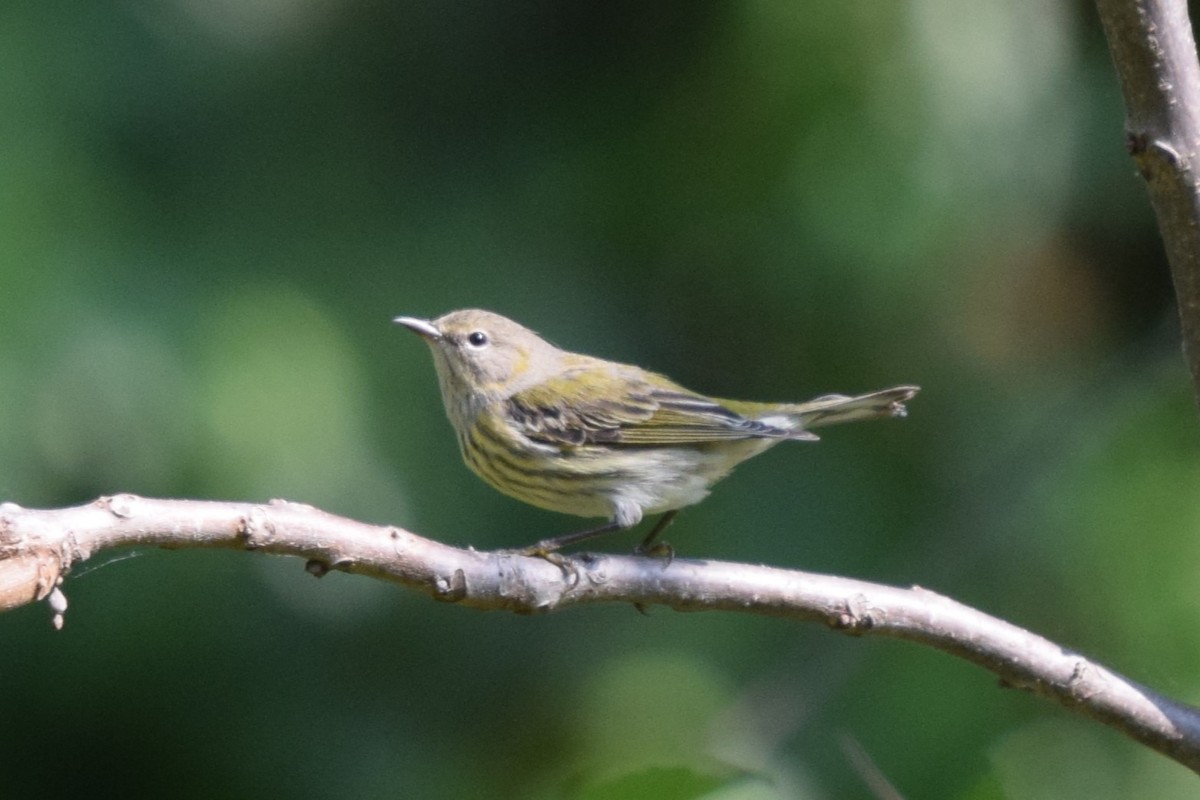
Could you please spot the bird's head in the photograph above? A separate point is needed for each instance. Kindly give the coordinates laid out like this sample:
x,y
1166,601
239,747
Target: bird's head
x,y
482,355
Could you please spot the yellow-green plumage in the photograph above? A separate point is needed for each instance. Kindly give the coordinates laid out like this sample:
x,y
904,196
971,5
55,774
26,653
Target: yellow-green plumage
x,y
594,438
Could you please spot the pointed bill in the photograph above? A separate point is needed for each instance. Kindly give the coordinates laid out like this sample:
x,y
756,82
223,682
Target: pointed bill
x,y
421,327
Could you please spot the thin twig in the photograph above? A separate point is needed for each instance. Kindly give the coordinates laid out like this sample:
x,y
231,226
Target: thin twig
x,y
38,547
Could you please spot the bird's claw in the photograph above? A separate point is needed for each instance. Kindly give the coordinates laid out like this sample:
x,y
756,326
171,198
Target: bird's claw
x,y
662,550
564,563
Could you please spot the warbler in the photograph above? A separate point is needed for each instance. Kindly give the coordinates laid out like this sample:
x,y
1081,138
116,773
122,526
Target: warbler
x,y
580,435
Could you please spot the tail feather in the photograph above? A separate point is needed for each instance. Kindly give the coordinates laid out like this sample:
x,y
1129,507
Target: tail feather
x,y
834,409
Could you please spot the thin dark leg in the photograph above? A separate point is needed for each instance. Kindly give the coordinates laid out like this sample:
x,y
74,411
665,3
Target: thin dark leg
x,y
647,545
550,545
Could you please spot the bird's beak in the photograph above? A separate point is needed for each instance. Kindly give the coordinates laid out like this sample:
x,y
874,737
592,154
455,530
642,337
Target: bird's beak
x,y
422,327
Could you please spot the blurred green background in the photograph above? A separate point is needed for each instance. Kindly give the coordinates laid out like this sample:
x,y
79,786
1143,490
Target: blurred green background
x,y
210,211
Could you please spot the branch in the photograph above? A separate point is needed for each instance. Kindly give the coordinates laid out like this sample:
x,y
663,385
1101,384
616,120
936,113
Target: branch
x,y
39,547
1155,55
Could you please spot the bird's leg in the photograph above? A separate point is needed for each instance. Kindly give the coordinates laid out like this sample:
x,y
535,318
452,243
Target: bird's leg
x,y
547,546
649,548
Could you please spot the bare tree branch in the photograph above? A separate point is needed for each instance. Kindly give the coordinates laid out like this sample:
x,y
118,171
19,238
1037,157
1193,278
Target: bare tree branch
x,y
1155,55
39,547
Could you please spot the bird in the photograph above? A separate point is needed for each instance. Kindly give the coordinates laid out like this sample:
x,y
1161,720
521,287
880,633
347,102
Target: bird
x,y
581,435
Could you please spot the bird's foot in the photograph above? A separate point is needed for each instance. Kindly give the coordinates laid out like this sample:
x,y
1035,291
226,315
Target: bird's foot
x,y
649,547
565,563
662,550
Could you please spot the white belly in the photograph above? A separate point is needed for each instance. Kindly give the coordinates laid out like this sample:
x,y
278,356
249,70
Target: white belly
x,y
671,478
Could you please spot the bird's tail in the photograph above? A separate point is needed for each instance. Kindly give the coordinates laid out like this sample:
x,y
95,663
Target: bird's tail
x,y
833,409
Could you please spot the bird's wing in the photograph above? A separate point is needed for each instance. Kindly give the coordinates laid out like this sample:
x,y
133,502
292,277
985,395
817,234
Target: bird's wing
x,y
603,406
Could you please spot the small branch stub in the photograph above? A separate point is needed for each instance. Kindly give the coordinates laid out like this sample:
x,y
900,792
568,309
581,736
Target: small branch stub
x,y
856,618
26,577
452,589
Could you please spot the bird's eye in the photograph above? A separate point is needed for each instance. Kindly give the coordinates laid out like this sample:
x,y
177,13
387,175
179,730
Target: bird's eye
x,y
477,339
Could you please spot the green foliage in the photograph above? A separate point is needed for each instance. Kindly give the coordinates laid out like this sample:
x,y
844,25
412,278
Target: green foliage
x,y
661,784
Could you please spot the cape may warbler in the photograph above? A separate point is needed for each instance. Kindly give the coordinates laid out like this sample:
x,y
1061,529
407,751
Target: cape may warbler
x,y
585,436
